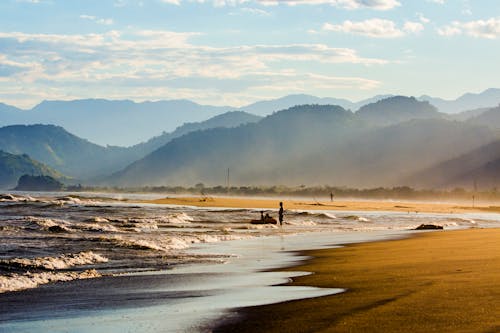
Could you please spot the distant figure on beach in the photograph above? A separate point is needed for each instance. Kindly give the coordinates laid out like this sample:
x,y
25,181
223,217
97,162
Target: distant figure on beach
x,y
262,215
331,196
267,217
280,213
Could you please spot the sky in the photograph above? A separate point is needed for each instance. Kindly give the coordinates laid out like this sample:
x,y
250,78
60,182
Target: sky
x,y
235,52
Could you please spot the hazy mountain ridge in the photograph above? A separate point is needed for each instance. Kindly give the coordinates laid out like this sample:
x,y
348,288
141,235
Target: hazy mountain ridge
x,y
486,99
228,119
126,123
489,117
119,123
61,150
478,166
77,157
14,166
382,144
312,144
397,109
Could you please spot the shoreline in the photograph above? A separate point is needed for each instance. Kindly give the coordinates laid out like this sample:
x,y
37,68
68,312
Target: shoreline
x,y
433,281
185,299
336,205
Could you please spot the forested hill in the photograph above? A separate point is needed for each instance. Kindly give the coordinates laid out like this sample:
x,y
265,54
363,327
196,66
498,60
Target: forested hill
x,y
313,144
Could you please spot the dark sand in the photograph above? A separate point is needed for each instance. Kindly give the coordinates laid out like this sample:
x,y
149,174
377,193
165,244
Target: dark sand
x,y
434,282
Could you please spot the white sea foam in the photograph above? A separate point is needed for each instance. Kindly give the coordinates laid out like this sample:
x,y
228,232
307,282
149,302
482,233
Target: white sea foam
x,y
14,282
60,262
46,223
69,200
98,227
179,218
329,215
301,223
356,218
16,198
97,219
179,242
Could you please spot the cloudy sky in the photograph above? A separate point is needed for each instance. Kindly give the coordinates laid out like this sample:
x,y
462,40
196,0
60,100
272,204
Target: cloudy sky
x,y
234,52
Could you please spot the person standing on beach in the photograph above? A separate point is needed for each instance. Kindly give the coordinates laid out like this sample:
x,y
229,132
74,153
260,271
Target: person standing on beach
x,y
280,213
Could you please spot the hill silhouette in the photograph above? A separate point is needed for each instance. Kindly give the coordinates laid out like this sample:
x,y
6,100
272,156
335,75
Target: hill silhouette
x,y
478,167
81,159
312,144
14,166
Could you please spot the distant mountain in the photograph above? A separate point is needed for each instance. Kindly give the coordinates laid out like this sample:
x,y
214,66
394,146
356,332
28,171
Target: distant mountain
x,y
61,150
490,118
480,166
466,115
81,159
228,119
265,108
387,156
14,166
469,101
397,109
310,144
5,108
126,123
255,152
121,123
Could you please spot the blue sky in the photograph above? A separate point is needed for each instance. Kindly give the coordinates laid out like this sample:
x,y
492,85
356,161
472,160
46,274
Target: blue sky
x,y
234,52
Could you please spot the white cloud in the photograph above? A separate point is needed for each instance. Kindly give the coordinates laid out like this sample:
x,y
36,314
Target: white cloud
x,y
172,2
346,4
413,27
488,29
376,28
124,63
422,18
449,30
255,11
96,19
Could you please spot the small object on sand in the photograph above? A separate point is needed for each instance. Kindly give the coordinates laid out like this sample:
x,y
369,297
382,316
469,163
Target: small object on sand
x,y
265,220
429,227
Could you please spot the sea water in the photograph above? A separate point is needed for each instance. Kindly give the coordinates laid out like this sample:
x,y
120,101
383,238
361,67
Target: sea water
x,y
185,265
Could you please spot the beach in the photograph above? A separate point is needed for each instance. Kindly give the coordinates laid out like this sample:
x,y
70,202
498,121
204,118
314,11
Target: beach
x,y
336,205
432,282
185,264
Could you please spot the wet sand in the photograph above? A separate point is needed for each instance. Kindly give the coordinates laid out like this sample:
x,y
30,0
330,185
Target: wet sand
x,y
308,204
441,281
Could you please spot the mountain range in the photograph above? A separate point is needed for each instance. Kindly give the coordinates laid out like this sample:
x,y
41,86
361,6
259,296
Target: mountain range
x,y
127,123
314,145
83,160
391,142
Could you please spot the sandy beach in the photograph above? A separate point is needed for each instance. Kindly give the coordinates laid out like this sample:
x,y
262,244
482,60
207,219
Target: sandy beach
x,y
440,281
338,205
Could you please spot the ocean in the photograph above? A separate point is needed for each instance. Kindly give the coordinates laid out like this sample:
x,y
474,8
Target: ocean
x,y
91,263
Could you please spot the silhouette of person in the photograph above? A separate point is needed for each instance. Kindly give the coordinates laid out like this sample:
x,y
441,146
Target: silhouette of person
x,y
331,196
262,215
280,213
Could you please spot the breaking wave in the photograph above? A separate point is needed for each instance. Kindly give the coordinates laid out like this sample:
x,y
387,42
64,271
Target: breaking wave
x,y
53,263
15,282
